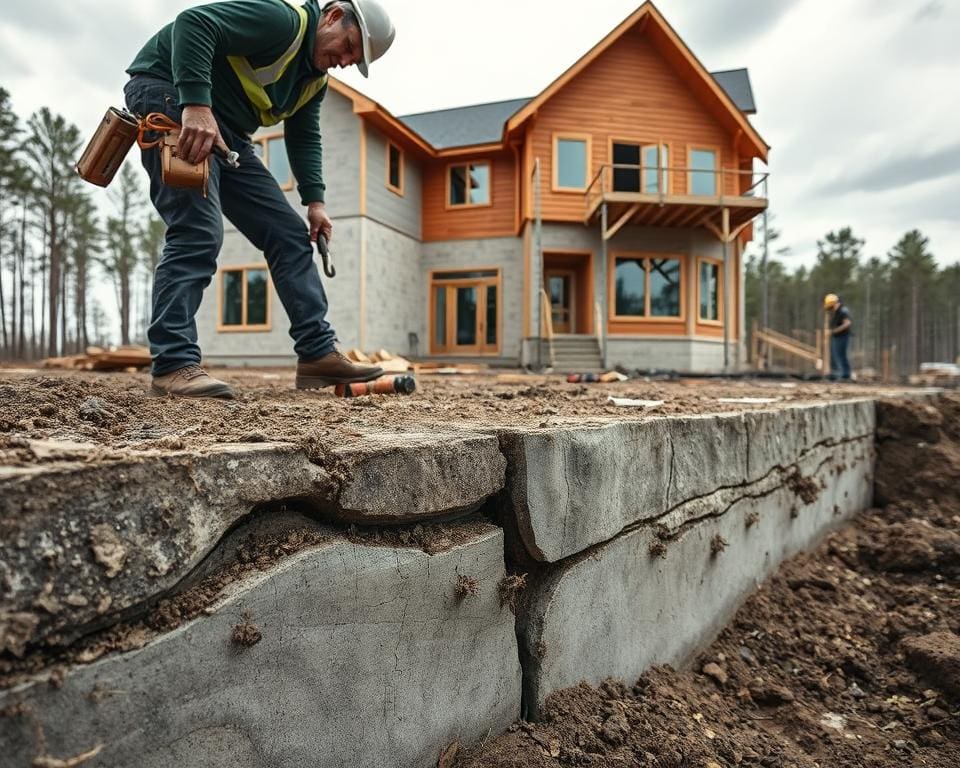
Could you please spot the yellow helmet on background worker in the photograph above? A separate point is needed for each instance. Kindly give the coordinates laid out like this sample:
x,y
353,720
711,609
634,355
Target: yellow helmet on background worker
x,y
376,31
830,301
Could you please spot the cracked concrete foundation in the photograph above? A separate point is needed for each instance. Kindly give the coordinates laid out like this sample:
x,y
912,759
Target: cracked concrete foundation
x,y
657,593
368,656
640,538
148,521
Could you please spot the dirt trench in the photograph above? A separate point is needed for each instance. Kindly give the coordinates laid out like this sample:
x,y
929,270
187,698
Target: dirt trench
x,y
849,656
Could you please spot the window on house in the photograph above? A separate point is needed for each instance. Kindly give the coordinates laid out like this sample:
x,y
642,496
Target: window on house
x,y
469,184
709,290
703,167
646,287
650,165
394,168
570,163
631,287
244,298
272,151
626,167
664,287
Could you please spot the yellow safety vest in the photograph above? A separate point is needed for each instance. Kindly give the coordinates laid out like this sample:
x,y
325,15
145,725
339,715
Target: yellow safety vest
x,y
255,80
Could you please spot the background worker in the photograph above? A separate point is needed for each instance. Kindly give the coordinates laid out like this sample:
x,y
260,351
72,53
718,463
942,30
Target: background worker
x,y
840,325
221,71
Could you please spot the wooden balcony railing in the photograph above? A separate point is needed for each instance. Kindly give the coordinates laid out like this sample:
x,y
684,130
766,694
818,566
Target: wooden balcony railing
x,y
653,185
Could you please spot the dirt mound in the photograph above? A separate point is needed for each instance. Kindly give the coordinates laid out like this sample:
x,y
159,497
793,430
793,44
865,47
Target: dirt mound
x,y
847,657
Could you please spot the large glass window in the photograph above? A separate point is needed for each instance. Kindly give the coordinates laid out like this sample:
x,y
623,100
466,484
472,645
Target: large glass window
x,y
631,287
664,287
244,298
703,177
709,290
469,184
647,287
570,159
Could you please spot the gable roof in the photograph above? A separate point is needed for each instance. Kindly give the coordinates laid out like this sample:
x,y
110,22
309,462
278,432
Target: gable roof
x,y
464,126
736,84
483,123
649,19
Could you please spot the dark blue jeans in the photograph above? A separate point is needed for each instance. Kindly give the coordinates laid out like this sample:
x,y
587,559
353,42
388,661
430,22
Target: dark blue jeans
x,y
839,362
252,200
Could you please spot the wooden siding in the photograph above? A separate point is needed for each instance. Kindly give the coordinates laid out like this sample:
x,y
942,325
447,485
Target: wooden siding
x,y
630,92
495,220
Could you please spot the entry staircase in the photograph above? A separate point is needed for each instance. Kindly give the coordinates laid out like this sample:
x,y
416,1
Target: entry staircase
x,y
576,353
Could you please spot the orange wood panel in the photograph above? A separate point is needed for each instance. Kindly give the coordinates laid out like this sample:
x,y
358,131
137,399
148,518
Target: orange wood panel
x,y
631,91
647,328
441,222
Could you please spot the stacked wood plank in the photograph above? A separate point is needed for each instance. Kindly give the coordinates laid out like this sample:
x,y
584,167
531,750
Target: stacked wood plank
x,y
389,362
100,359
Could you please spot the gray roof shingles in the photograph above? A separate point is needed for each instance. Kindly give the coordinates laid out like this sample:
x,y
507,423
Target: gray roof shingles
x,y
483,123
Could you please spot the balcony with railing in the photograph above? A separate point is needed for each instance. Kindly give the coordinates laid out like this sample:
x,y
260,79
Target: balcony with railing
x,y
643,195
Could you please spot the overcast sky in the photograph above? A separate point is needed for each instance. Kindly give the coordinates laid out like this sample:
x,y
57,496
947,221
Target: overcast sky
x,y
859,99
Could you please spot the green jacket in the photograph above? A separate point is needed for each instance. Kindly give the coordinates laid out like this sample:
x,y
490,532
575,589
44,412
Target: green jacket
x,y
192,53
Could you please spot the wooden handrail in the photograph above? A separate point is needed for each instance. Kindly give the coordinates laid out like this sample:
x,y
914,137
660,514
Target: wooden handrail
x,y
545,311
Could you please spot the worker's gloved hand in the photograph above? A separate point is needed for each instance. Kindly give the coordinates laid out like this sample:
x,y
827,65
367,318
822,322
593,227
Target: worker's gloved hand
x,y
198,134
319,221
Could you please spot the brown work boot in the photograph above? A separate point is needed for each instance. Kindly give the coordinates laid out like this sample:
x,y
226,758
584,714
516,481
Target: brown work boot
x,y
191,381
334,368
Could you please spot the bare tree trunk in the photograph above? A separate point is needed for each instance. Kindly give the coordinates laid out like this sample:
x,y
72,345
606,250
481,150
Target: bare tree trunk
x,y
22,346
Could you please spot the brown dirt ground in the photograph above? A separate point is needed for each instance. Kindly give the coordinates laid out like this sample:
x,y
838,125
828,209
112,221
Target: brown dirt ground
x,y
848,656
114,413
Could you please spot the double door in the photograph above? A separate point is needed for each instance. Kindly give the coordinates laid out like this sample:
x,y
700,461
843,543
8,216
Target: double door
x,y
464,314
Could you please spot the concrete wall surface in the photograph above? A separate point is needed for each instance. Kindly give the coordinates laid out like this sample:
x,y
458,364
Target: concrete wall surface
x,y
622,607
385,638
368,657
571,488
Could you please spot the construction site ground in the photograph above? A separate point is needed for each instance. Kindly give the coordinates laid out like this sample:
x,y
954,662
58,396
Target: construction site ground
x,y
115,412
848,656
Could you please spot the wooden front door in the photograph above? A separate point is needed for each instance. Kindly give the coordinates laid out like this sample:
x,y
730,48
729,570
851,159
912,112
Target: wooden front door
x,y
561,287
465,314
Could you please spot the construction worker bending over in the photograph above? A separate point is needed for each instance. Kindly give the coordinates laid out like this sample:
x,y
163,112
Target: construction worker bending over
x,y
221,71
840,324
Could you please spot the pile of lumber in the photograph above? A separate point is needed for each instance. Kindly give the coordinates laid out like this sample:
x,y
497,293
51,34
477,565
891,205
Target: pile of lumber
x,y
937,375
100,359
390,363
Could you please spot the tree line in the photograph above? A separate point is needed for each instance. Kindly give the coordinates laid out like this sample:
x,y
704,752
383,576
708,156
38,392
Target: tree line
x,y
906,309
55,247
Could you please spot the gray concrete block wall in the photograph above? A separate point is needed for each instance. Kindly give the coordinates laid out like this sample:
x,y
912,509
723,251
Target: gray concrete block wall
x,y
503,253
665,353
340,133
395,291
401,212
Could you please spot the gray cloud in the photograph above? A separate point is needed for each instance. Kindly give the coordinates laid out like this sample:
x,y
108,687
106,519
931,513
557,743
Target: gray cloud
x,y
728,23
931,10
896,172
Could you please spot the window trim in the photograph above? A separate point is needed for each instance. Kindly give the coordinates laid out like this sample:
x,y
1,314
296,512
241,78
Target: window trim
x,y
397,190
432,282
717,170
555,169
243,327
647,257
461,206
264,142
642,143
720,276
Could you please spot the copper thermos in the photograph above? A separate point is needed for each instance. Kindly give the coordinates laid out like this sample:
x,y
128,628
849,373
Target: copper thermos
x,y
108,147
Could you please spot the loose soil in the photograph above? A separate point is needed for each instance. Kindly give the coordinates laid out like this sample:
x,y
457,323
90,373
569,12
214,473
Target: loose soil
x,y
97,416
849,656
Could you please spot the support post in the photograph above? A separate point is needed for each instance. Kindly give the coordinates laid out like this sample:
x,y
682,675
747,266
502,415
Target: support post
x,y
604,283
727,289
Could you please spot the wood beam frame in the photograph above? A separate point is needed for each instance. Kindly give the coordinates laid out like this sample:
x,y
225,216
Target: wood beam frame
x,y
619,223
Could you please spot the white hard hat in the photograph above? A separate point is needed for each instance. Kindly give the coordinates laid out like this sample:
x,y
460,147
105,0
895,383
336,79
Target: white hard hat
x,y
376,31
